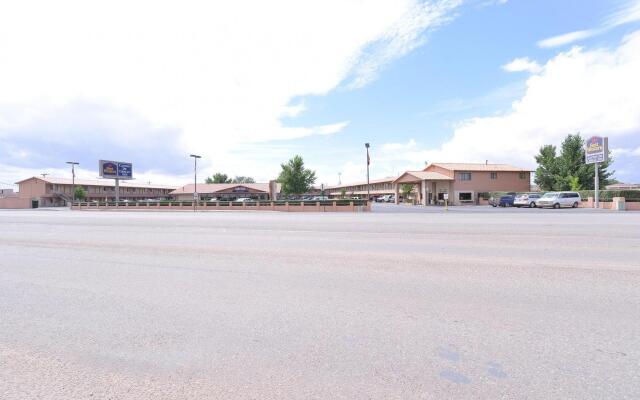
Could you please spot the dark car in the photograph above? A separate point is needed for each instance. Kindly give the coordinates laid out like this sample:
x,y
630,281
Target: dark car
x,y
503,201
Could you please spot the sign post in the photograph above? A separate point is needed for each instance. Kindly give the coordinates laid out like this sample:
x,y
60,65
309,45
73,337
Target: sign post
x,y
116,170
596,151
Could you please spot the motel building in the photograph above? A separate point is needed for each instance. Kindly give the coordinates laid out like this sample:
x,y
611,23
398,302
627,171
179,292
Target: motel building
x,y
462,182
228,191
37,192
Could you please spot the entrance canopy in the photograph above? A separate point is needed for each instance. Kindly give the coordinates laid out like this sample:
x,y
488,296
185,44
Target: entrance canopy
x,y
432,185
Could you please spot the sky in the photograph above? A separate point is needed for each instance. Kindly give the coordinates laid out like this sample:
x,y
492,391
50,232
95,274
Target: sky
x,y
247,85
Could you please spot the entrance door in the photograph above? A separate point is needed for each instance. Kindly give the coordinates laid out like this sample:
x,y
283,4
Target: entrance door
x,y
34,203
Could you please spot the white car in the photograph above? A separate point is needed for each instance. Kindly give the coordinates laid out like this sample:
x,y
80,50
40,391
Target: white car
x,y
526,200
559,199
244,199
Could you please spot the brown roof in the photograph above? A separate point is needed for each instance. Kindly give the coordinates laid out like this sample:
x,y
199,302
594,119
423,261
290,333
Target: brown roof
x,y
422,175
221,187
479,167
99,182
388,179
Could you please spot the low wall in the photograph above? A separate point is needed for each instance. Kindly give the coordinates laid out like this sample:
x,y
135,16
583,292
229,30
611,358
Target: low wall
x,y
324,206
15,202
608,205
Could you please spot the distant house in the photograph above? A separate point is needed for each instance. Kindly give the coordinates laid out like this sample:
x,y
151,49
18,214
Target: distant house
x,y
228,191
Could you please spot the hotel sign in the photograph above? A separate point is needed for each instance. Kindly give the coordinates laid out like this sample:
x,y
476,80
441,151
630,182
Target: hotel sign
x,y
115,169
596,150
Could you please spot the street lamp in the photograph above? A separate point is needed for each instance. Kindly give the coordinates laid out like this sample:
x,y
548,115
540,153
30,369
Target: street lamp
x,y
368,162
73,180
195,180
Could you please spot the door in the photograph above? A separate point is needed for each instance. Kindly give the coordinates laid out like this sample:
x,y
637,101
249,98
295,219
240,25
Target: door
x,y
34,203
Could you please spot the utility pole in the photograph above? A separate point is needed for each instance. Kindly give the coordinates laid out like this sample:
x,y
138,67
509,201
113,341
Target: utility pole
x,y
195,180
339,178
366,145
73,180
44,175
597,187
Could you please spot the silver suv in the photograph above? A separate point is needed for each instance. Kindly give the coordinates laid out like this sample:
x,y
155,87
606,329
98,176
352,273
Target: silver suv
x,y
559,199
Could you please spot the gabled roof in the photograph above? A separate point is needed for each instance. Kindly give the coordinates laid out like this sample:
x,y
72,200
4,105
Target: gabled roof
x,y
412,176
99,182
222,187
478,167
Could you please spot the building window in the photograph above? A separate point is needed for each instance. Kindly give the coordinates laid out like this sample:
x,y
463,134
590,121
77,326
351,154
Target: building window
x,y
522,175
465,196
465,176
494,175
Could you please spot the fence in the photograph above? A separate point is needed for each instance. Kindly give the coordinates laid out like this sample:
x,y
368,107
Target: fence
x,y
290,206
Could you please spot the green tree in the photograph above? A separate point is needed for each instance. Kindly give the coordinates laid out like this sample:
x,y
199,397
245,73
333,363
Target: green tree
x,y
406,190
218,177
547,171
295,178
574,183
80,194
243,179
568,170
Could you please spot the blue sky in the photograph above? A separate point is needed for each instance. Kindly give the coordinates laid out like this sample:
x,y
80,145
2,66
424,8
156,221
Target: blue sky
x,y
249,87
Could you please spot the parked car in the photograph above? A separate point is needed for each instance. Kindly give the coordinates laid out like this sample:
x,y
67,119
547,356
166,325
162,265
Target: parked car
x,y
502,201
387,198
526,200
559,199
244,199
319,198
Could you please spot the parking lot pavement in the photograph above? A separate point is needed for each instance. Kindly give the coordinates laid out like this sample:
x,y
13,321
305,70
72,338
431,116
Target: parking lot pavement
x,y
487,304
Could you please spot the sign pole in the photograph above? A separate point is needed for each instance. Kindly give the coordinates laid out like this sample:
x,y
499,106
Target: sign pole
x,y
117,191
597,187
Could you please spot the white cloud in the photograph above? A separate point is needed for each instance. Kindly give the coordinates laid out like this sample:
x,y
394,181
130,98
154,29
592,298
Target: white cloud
x,y
213,74
629,12
402,37
567,38
622,151
592,92
523,64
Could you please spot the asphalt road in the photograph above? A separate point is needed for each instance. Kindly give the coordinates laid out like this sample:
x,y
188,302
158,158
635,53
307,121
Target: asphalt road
x,y
470,303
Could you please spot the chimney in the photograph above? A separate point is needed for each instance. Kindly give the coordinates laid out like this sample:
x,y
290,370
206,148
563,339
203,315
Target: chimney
x,y
486,162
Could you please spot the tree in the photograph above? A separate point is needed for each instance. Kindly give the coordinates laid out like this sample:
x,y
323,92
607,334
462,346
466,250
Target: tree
x,y
568,170
547,170
243,179
406,190
295,178
80,194
218,177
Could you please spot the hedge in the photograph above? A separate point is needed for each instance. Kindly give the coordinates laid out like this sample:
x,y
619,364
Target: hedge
x,y
608,195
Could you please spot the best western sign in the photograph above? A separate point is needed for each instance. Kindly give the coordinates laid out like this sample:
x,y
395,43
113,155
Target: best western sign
x,y
115,169
596,150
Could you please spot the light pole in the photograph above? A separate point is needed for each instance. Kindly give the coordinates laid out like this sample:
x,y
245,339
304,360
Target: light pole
x,y
195,180
73,180
366,145
339,178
